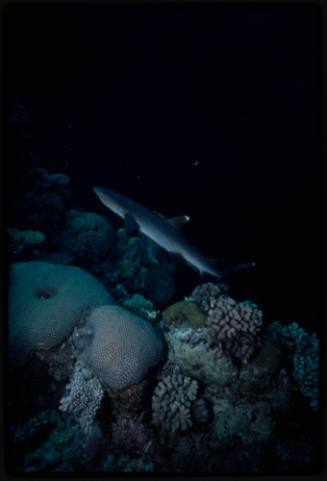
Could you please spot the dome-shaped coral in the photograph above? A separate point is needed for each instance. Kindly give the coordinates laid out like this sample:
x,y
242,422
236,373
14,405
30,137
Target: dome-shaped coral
x,y
123,347
45,303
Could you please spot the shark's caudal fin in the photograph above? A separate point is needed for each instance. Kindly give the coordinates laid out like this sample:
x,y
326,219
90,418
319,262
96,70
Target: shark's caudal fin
x,y
238,268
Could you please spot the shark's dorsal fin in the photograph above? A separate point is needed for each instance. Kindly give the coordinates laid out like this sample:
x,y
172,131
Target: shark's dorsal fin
x,y
130,224
179,221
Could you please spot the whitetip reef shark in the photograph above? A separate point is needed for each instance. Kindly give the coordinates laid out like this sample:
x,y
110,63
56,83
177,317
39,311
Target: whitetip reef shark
x,y
164,232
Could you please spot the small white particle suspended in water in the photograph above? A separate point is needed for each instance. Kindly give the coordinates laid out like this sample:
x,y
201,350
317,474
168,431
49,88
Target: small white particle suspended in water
x,y
196,163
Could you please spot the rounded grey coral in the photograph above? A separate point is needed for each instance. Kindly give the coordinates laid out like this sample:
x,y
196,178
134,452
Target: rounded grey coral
x,y
235,326
172,402
123,346
46,301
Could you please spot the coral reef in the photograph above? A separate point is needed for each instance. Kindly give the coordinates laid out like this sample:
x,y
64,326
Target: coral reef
x,y
44,208
83,396
184,311
19,240
305,359
251,423
45,303
171,403
58,257
191,454
131,436
85,235
206,295
123,346
126,464
236,327
67,449
144,268
189,349
141,307
201,412
142,386
46,201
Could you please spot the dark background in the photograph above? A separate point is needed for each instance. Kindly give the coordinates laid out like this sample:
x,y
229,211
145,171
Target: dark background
x,y
208,110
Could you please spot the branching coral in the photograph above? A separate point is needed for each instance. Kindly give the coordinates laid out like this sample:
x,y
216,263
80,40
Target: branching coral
x,y
83,397
206,295
305,359
235,326
141,306
171,403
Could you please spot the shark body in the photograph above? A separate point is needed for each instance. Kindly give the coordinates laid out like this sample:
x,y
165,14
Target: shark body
x,y
162,231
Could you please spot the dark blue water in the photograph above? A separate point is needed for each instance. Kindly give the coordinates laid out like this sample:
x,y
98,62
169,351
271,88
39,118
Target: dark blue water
x,y
210,112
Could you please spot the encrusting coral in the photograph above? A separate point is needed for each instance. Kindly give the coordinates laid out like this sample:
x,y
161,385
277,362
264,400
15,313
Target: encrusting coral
x,y
184,311
191,352
123,346
46,301
172,402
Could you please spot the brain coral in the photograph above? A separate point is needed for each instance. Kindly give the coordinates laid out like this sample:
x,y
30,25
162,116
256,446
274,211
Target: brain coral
x,y
45,302
123,346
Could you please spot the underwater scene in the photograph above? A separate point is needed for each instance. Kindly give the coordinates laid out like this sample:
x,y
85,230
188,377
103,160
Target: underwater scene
x,y
163,239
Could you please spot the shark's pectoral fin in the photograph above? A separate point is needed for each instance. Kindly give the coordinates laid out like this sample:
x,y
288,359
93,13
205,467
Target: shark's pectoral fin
x,y
130,224
179,221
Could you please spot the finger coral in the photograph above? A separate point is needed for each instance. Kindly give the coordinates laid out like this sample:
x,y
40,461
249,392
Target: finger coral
x,y
206,295
171,403
235,326
123,346
45,303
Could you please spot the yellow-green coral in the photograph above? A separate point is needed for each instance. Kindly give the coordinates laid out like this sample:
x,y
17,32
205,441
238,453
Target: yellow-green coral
x,y
185,311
